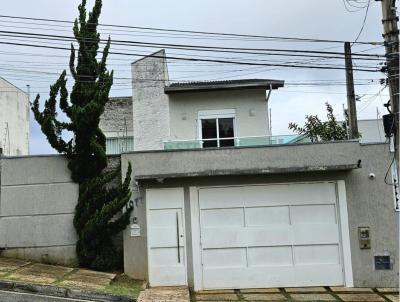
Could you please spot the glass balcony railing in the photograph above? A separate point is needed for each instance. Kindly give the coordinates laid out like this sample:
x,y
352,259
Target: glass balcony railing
x,y
238,141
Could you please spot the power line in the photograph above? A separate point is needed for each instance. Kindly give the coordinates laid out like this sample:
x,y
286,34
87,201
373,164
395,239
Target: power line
x,y
198,59
188,31
364,21
188,47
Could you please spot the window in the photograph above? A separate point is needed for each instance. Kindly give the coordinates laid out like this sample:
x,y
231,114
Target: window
x,y
217,128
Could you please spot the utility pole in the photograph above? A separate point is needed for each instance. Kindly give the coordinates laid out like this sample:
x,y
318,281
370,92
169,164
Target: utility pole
x,y
391,37
351,97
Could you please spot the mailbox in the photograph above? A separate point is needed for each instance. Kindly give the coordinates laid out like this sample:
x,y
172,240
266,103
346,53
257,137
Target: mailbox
x,y
364,238
135,230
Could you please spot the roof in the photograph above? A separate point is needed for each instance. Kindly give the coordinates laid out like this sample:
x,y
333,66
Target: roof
x,y
11,84
223,85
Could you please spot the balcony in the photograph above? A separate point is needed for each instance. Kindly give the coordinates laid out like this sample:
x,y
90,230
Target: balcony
x,y
118,145
249,141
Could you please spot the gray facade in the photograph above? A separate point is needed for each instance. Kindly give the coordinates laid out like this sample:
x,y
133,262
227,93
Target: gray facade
x,y
369,201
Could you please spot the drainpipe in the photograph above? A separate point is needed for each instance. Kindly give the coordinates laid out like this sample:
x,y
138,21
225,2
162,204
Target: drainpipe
x,y
268,111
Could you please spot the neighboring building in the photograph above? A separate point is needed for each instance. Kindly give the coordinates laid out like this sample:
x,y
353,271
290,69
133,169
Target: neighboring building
x,y
371,131
219,203
14,119
117,125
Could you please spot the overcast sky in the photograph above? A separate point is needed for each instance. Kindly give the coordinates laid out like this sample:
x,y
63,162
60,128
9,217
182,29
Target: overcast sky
x,y
326,19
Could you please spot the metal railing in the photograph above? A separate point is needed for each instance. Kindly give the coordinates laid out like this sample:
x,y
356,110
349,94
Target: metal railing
x,y
118,145
238,141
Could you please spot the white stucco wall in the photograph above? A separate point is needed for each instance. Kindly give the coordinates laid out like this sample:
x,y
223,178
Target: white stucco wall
x,y
250,106
14,120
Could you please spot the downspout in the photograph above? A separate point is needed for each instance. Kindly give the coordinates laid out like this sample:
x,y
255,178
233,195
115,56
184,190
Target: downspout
x,y
268,111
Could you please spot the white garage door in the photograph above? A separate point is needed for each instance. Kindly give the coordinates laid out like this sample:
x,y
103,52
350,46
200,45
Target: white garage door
x,y
270,236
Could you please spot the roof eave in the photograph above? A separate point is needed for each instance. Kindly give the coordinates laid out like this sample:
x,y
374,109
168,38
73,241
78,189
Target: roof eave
x,y
233,86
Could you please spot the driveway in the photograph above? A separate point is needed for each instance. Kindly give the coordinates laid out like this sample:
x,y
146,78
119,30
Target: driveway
x,y
300,294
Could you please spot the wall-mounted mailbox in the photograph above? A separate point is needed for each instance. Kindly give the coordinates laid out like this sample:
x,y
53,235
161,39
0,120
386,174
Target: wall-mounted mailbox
x,y
135,230
364,238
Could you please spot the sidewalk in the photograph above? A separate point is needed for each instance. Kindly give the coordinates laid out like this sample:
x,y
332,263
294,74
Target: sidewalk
x,y
29,277
308,294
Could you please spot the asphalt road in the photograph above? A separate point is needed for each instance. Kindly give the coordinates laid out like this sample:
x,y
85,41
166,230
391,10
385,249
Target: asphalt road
x,y
6,296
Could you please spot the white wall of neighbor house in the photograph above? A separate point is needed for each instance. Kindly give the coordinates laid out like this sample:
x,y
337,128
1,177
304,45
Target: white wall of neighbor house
x,y
14,120
250,106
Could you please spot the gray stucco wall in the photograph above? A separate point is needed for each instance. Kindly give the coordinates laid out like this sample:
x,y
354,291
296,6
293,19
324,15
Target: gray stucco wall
x,y
250,106
370,203
116,121
37,202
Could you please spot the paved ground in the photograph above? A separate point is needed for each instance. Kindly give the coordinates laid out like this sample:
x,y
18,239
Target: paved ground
x,y
25,271
300,294
165,294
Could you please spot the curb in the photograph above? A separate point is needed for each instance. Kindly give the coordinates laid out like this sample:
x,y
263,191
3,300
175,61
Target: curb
x,y
55,291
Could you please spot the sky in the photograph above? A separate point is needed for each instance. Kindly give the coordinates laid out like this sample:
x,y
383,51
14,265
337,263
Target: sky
x,y
328,19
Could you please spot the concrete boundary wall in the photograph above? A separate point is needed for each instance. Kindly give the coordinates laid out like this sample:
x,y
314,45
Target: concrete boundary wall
x,y
37,204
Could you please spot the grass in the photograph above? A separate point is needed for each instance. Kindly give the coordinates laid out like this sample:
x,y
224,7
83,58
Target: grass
x,y
124,286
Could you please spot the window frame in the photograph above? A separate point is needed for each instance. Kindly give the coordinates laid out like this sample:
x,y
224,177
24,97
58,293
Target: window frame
x,y
216,114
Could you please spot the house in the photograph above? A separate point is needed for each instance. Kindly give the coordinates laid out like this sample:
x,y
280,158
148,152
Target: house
x,y
219,203
14,119
117,125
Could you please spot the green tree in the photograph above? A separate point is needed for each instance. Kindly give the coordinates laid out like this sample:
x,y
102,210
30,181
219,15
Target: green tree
x,y
96,217
317,130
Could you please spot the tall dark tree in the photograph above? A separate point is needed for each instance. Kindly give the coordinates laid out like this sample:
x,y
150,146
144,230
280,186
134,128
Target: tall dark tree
x,y
96,216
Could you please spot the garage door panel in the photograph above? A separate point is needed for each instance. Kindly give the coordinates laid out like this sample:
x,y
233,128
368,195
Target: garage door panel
x,y
313,214
262,216
261,196
317,254
242,237
249,278
232,217
270,256
223,197
311,234
322,275
259,277
312,193
224,258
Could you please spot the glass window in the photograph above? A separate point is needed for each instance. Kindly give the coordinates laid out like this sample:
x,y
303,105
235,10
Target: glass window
x,y
217,132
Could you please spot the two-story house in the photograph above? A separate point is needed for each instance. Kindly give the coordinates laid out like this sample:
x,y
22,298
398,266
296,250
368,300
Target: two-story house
x,y
220,203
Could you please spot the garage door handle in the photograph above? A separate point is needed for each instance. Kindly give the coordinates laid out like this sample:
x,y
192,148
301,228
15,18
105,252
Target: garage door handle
x,y
177,237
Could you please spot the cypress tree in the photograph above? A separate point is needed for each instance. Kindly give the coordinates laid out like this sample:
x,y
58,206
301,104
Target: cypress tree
x,y
97,217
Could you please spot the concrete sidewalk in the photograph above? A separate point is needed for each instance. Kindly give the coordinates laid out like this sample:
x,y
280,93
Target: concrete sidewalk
x,y
37,273
22,280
